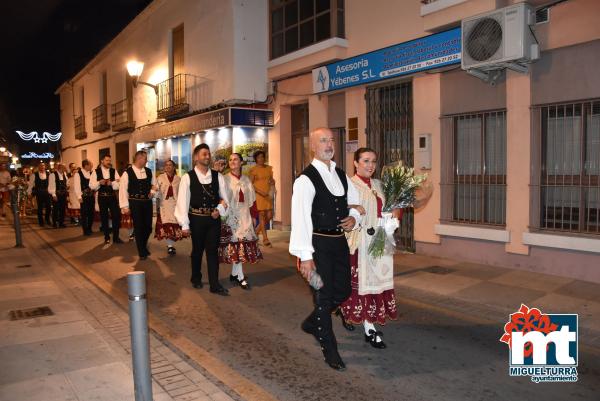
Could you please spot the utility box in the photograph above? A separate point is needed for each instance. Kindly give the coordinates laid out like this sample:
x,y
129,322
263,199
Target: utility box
x,y
423,152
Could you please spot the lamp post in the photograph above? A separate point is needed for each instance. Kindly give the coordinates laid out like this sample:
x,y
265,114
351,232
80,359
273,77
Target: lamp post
x,y
135,69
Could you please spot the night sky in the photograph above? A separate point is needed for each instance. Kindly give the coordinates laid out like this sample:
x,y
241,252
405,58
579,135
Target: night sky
x,y
44,43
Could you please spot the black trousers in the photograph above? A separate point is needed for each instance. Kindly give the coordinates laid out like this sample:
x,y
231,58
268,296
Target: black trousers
x,y
87,213
58,209
44,207
206,232
332,260
141,214
110,204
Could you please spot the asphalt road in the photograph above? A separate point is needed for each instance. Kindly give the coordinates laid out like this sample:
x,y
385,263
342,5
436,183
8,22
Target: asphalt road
x,y
431,354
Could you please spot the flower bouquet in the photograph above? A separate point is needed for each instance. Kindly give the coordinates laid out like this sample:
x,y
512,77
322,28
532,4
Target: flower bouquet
x,y
399,188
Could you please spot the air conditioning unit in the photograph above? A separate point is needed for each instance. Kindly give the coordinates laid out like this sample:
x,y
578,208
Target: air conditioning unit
x,y
499,39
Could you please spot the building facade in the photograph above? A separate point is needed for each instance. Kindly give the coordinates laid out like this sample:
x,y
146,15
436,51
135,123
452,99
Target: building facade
x,y
203,80
513,168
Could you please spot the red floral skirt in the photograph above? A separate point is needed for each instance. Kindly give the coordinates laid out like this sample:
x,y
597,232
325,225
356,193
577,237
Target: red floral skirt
x,y
170,231
237,252
74,213
126,221
374,308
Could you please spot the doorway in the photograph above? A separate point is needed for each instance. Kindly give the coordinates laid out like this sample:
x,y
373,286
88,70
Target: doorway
x,y
390,133
122,156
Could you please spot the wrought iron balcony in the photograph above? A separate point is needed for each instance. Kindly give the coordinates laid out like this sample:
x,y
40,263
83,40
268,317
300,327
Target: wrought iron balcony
x,y
172,96
100,115
122,115
80,132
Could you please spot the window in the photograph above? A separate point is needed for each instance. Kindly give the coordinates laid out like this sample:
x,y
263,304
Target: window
x,y
569,181
475,180
299,23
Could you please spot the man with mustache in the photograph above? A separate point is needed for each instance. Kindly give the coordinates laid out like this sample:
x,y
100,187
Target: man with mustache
x,y
320,218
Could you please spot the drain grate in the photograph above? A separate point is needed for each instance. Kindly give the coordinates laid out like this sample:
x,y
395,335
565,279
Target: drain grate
x,y
30,313
438,270
23,266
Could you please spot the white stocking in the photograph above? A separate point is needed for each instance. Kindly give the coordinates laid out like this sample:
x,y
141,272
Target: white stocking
x,y
371,326
170,242
236,270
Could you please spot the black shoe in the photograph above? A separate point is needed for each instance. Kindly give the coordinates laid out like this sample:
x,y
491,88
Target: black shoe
x,y
87,233
347,326
372,338
244,284
131,237
107,240
118,241
171,250
198,285
220,291
333,359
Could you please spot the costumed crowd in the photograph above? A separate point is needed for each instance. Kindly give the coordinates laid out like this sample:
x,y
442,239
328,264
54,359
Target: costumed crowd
x,y
333,222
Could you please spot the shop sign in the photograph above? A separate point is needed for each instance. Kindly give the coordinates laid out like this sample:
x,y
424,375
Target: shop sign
x,y
213,119
433,51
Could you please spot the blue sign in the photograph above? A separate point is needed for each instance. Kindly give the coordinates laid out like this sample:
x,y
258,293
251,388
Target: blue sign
x,y
421,54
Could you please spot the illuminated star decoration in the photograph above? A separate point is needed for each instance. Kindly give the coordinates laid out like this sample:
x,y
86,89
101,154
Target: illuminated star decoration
x,y
39,139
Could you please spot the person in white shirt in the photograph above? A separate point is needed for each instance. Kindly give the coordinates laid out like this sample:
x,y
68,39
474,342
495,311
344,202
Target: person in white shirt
x,y
320,218
201,201
136,189
38,186
167,228
5,180
73,206
105,180
58,190
85,196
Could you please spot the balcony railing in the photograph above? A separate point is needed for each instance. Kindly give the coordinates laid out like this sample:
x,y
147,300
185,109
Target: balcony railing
x,y
122,115
172,96
80,127
101,118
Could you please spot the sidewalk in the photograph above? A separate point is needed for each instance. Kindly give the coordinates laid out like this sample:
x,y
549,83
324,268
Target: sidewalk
x,y
82,350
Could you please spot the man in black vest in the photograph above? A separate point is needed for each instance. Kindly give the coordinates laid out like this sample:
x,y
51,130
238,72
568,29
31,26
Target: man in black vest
x,y
202,200
137,186
85,196
57,188
105,180
38,186
320,216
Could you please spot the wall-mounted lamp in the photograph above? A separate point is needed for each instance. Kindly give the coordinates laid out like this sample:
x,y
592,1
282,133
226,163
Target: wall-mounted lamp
x,y
135,69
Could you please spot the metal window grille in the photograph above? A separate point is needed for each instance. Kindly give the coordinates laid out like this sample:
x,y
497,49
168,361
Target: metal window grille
x,y
390,133
566,167
474,169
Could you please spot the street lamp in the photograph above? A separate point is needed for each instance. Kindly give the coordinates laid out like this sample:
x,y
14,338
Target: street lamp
x,y
135,68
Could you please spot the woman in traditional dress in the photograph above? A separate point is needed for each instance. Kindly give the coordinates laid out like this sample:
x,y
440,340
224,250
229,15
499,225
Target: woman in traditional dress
x,y
73,205
372,300
261,176
167,227
238,239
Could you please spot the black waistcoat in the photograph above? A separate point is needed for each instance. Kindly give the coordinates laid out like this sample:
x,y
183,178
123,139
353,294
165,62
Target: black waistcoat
x,y
327,209
139,188
105,189
84,184
40,185
61,186
204,196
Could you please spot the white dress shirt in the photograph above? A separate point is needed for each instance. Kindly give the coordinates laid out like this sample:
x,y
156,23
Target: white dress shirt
x,y
94,184
184,195
124,185
77,182
302,199
32,181
52,182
